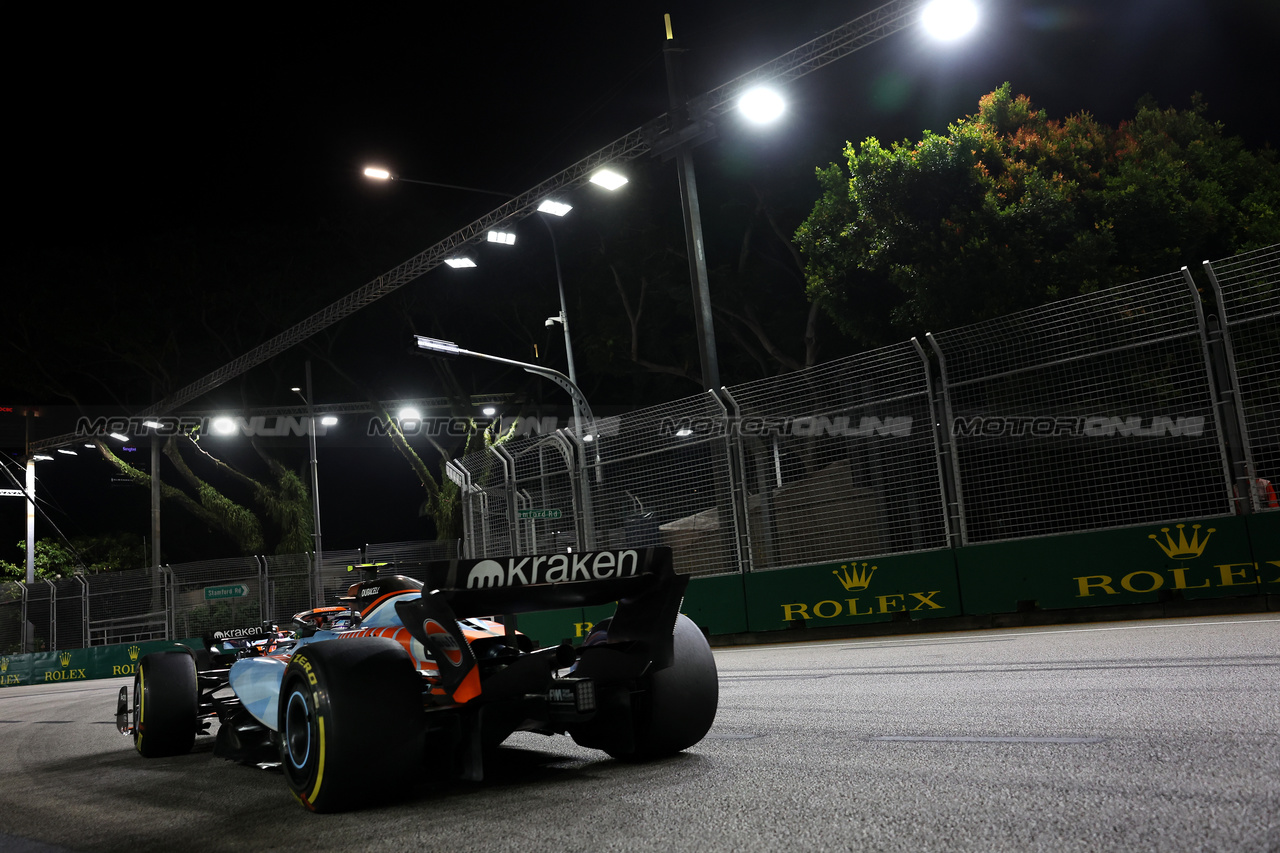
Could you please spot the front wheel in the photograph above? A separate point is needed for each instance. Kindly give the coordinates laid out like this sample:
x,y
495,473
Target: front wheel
x,y
350,722
166,703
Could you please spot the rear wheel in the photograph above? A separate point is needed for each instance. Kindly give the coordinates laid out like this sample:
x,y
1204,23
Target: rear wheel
x,y
678,705
350,722
665,711
166,700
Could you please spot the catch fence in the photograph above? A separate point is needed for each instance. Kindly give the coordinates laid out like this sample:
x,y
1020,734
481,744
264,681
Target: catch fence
x,y
1122,407
185,599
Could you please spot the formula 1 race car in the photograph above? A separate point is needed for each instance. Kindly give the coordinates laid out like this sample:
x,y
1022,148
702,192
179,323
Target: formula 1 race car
x,y
409,678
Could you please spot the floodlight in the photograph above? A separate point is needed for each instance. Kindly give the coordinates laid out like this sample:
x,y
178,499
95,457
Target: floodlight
x,y
947,20
608,179
761,105
555,208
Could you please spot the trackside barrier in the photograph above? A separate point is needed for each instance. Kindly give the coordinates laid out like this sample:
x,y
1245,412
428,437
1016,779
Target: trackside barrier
x,y
1230,556
57,667
1218,558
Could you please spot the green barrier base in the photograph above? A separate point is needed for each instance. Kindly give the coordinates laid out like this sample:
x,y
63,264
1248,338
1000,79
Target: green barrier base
x,y
1206,558
908,587
81,664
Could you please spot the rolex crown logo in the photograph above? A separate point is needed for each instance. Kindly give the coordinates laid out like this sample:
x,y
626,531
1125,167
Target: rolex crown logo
x,y
65,658
1181,548
4,664
134,651
858,580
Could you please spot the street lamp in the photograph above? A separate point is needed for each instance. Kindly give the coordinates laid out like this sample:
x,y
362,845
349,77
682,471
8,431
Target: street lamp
x,y
606,178
427,345
317,589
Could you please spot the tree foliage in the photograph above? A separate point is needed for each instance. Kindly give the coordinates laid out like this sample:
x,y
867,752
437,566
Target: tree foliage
x,y
218,494
1011,209
82,554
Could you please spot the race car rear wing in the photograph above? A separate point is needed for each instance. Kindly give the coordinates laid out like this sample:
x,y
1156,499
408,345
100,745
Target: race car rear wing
x,y
642,581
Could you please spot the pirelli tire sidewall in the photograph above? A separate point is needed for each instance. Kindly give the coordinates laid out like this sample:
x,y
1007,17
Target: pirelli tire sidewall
x,y
350,723
166,697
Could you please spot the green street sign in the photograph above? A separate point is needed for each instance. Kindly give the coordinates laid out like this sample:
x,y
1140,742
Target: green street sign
x,y
232,590
538,513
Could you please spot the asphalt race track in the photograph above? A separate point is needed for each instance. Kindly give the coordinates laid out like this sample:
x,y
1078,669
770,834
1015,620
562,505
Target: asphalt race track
x,y
1159,735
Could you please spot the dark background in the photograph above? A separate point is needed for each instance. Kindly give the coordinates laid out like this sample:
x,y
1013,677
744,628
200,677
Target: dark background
x,y
154,164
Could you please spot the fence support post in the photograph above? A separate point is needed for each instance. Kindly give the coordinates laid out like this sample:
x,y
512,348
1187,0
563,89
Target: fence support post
x,y
509,495
738,492
955,498
1222,367
943,450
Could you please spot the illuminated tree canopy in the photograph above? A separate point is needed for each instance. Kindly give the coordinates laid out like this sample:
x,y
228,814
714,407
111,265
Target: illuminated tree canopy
x,y
1011,209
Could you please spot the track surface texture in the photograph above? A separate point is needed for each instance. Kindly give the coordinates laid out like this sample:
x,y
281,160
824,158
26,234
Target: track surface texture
x,y
1155,735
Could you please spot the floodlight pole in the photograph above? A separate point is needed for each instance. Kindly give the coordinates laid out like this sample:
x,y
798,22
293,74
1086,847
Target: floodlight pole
x,y
564,322
31,518
685,130
317,591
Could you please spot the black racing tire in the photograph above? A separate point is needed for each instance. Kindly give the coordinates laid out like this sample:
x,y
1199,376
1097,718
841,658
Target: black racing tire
x,y
351,722
166,704
677,705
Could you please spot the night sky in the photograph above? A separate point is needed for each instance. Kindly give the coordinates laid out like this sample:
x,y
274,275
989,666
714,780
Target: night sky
x,y
238,136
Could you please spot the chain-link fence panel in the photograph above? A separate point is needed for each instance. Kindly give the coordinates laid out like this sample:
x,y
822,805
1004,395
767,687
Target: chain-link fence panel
x,y
1086,413
1248,290
335,579
127,607
70,607
422,551
548,511
663,477
842,459
209,595
11,595
287,589
485,503
40,623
